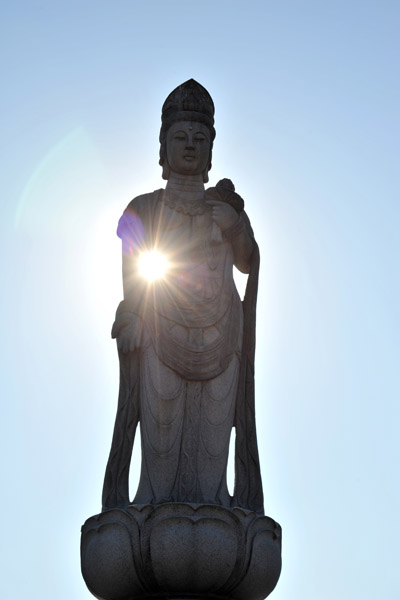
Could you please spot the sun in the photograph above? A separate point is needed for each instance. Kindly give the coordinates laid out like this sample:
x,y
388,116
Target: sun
x,y
153,265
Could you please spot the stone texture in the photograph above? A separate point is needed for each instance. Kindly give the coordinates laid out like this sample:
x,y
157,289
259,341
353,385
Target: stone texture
x,y
177,549
186,346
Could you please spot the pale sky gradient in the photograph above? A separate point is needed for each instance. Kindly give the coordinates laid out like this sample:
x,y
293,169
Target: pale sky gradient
x,y
307,118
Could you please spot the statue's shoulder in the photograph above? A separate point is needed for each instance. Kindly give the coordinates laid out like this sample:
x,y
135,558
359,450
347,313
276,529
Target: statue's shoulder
x,y
138,213
144,203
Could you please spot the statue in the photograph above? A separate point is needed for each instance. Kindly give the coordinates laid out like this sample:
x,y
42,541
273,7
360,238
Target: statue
x,y
180,339
186,349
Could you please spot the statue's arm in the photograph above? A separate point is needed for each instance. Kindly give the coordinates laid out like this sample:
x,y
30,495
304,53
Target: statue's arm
x,y
241,237
236,229
127,327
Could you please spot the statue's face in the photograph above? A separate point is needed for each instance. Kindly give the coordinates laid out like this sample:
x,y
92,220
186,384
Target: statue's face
x,y
188,147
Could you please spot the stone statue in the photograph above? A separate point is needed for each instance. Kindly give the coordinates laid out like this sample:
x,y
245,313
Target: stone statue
x,y
186,350
180,339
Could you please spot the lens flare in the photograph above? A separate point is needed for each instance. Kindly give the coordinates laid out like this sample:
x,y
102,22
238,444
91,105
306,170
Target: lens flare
x,y
152,265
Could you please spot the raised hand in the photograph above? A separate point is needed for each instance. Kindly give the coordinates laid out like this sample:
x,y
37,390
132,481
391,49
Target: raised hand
x,y
222,214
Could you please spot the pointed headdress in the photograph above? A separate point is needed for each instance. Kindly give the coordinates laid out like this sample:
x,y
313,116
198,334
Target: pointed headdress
x,y
190,101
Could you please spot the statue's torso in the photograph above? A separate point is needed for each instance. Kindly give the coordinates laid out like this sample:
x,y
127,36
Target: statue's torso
x,y
194,316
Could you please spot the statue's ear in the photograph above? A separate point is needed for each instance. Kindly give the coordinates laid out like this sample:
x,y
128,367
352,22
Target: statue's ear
x,y
166,170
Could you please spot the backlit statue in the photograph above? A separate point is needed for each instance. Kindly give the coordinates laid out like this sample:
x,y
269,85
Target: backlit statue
x,y
186,350
185,340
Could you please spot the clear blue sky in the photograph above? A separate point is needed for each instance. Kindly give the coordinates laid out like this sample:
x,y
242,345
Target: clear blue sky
x,y
307,118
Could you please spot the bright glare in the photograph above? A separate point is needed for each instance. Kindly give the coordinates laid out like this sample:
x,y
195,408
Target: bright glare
x,y
152,265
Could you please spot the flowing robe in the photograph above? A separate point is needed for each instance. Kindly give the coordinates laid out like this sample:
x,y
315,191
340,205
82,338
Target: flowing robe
x,y
182,383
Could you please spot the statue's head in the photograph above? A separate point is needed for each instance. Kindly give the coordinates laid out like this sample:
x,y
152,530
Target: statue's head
x,y
188,110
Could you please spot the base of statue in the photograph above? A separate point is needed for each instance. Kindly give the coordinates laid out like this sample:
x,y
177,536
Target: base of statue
x,y
180,551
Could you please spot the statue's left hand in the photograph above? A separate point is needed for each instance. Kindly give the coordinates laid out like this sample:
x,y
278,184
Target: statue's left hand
x,y
222,214
128,338
127,329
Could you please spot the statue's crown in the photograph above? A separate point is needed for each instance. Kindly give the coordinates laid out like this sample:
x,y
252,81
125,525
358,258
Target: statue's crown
x,y
190,101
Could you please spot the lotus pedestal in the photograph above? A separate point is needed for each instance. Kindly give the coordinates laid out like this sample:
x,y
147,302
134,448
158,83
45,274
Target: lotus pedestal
x,y
180,551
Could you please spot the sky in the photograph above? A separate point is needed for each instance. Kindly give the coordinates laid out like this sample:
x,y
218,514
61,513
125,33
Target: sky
x,y
307,121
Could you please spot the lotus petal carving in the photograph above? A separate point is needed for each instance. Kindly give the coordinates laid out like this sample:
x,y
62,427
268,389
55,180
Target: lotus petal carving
x,y
178,549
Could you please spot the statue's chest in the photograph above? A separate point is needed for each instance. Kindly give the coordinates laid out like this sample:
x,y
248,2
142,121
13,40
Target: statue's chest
x,y
190,241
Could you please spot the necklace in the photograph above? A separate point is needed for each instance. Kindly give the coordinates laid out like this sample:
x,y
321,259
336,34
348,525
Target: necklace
x,y
185,204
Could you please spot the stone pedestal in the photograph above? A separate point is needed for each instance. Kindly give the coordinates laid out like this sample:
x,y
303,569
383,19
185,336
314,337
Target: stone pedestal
x,y
180,551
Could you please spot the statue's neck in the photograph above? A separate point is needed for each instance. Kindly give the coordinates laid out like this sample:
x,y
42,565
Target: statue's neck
x,y
189,186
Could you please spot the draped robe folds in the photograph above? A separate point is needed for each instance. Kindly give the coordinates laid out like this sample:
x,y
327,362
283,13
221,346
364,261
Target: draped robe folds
x,y
192,378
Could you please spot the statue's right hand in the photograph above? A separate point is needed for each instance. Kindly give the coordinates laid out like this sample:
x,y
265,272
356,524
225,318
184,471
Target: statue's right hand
x,y
128,333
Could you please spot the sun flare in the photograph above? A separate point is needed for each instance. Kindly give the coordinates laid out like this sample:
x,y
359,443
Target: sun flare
x,y
153,265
